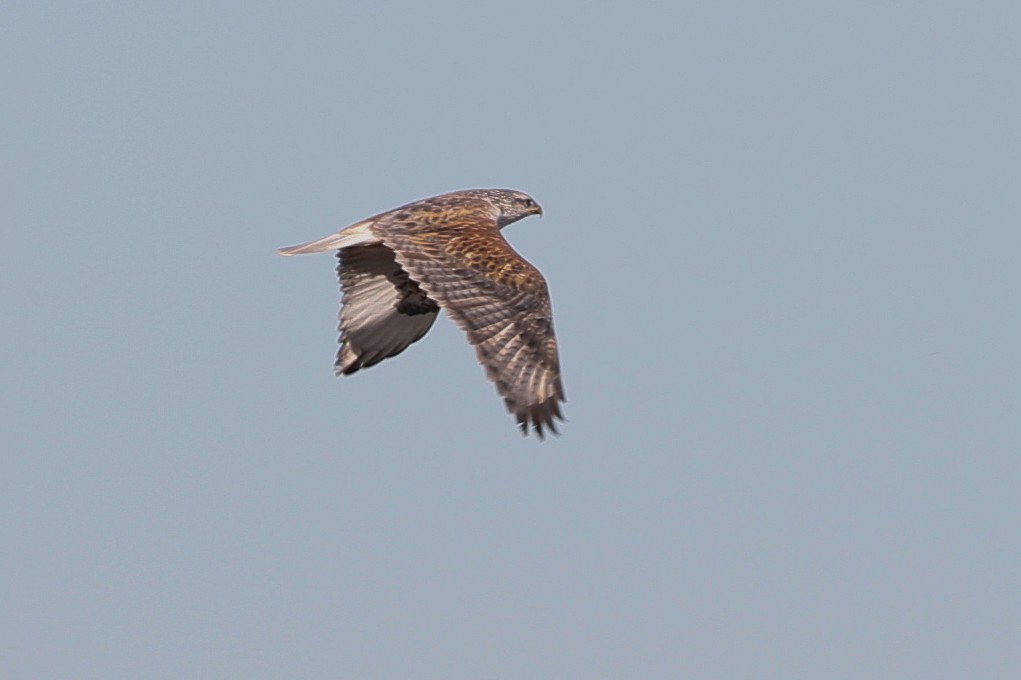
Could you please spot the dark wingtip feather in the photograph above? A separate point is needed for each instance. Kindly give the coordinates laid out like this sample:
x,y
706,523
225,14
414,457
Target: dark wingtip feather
x,y
539,418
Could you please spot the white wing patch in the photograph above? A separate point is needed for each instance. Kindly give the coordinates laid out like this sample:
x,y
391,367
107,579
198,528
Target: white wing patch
x,y
382,309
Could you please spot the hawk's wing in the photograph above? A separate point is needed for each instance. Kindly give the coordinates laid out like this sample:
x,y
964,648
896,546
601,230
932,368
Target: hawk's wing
x,y
382,309
496,297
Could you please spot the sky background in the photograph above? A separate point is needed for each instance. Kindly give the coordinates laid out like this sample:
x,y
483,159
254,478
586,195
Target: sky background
x,y
782,242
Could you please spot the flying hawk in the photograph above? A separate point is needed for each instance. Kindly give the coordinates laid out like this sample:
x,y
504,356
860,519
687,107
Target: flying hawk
x,y
399,268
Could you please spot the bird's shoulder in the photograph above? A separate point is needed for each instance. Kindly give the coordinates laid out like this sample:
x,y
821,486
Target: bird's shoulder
x,y
438,215
491,256
463,233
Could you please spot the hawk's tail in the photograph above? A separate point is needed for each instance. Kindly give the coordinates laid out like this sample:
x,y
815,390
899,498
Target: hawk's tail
x,y
356,235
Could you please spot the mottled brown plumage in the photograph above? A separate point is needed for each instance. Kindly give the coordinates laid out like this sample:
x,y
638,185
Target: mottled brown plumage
x,y
398,268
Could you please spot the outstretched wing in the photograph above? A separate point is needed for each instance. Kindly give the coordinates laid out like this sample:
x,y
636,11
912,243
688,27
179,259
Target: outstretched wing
x,y
382,309
498,298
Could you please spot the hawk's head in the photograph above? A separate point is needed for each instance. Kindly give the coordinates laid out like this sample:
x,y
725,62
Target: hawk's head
x,y
511,205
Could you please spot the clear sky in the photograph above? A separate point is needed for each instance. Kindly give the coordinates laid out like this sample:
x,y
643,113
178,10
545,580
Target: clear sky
x,y
782,241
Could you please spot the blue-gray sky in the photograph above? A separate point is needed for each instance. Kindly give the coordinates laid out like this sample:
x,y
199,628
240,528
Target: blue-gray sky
x,y
782,243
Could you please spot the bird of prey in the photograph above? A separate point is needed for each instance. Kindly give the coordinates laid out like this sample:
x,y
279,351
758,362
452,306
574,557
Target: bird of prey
x,y
399,268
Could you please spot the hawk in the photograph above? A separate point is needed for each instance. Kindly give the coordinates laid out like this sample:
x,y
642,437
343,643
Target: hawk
x,y
399,268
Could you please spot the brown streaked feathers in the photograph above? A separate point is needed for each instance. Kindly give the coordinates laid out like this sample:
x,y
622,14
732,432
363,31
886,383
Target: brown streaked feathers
x,y
399,268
